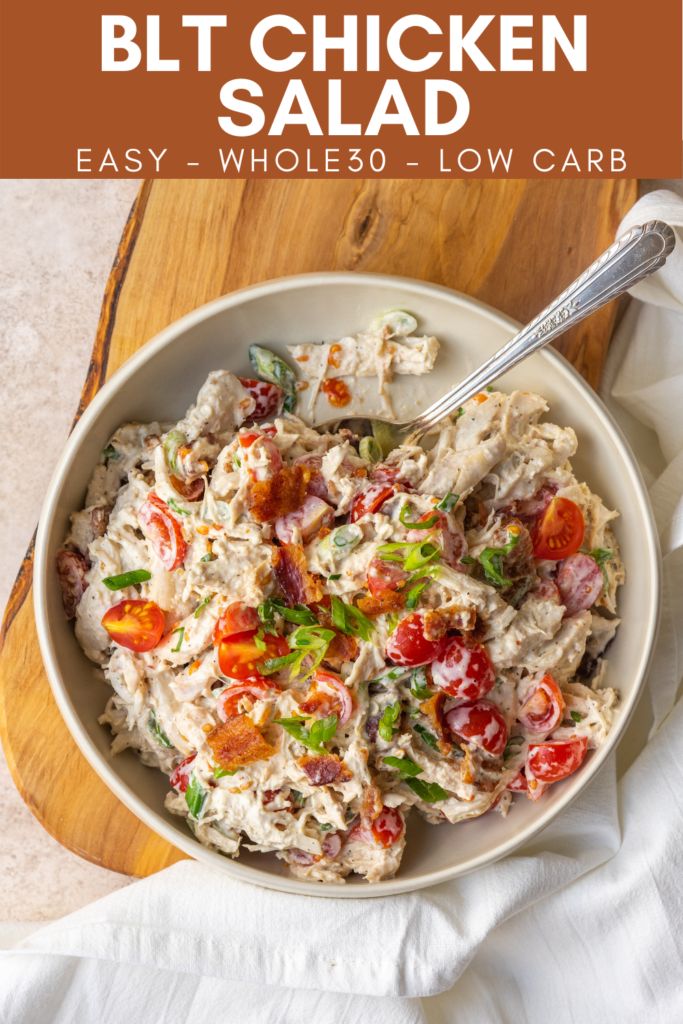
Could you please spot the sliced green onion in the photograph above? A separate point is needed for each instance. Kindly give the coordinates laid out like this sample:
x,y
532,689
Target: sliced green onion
x,y
602,557
429,792
415,524
127,579
202,605
219,773
448,502
272,665
420,556
210,557
418,684
414,594
576,716
369,449
322,730
350,620
195,797
181,631
388,723
110,453
172,503
259,642
157,731
269,366
404,766
171,443
299,614
335,576
491,561
346,537
428,737
397,321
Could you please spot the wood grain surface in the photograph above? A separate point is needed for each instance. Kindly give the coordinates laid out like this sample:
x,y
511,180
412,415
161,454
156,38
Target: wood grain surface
x,y
513,244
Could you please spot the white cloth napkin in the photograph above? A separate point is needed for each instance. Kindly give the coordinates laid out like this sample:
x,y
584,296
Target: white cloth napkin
x,y
584,924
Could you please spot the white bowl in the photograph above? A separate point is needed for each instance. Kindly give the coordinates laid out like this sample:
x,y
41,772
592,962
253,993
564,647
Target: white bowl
x,y
161,380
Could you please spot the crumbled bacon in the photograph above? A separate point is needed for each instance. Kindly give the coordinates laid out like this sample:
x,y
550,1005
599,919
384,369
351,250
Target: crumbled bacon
x,y
342,648
386,601
281,494
434,710
238,742
99,518
298,585
190,490
71,569
324,769
437,622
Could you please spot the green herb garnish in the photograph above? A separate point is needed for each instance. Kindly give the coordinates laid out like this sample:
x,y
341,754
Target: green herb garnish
x,y
335,576
172,503
387,725
405,767
219,773
157,731
576,716
414,594
602,557
349,619
428,737
322,730
195,797
459,413
304,641
127,579
210,557
491,560
430,792
259,642
202,605
181,631
325,826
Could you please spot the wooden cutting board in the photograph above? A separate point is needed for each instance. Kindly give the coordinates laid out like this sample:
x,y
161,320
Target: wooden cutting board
x,y
513,244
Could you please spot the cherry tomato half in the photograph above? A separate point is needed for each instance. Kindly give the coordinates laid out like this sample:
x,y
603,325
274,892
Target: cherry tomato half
x,y
388,826
480,723
267,397
137,625
559,531
385,576
543,708
180,776
408,644
370,500
163,531
463,670
229,700
553,761
237,618
239,657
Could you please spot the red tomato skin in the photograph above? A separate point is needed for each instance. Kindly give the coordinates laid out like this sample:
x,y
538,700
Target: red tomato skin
x,y
240,658
559,531
385,576
180,776
554,761
519,784
136,625
370,500
237,618
481,723
388,827
463,670
266,396
228,700
408,645
163,531
543,708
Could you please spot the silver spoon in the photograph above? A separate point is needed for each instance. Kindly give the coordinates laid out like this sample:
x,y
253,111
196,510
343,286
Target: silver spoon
x,y
632,257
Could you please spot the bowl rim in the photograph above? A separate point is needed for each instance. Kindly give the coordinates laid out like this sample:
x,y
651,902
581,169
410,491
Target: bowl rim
x,y
153,819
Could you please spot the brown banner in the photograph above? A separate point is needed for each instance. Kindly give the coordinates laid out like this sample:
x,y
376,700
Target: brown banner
x,y
126,89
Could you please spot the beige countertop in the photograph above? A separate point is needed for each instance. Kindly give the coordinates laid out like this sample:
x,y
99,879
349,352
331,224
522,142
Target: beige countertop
x,y
59,239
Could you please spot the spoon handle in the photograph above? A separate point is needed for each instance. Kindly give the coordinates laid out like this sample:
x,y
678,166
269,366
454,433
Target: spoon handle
x,y
631,258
